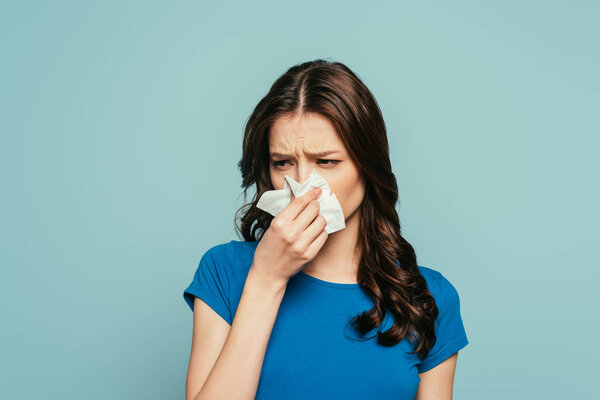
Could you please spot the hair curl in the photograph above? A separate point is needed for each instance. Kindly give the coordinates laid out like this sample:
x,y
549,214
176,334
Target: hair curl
x,y
388,270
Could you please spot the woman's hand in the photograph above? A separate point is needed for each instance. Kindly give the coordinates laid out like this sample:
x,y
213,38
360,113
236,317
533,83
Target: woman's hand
x,y
294,237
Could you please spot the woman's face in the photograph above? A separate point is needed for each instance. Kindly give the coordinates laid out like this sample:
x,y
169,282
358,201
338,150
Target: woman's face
x,y
299,144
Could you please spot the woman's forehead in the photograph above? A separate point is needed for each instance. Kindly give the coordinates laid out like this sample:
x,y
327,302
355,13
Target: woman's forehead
x,y
309,134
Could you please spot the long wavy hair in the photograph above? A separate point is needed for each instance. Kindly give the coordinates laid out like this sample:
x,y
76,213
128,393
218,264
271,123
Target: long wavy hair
x,y
388,270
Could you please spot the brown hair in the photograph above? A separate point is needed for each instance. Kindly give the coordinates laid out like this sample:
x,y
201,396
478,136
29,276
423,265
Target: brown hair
x,y
388,270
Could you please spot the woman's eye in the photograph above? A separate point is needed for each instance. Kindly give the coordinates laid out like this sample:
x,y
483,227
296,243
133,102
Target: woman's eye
x,y
325,162
333,162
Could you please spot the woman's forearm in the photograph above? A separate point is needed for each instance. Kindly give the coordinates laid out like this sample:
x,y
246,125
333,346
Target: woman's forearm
x,y
236,372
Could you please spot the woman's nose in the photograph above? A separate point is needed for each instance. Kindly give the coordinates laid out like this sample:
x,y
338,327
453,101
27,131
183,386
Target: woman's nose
x,y
302,173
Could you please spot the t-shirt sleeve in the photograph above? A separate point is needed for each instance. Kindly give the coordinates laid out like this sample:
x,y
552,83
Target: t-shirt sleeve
x,y
211,282
449,328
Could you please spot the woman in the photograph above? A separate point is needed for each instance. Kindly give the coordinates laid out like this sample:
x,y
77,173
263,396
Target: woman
x,y
291,312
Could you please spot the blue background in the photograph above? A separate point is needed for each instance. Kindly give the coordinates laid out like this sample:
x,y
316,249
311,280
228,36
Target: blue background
x,y
121,126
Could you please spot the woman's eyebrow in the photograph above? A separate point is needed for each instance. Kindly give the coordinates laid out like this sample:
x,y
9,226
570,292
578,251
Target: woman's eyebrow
x,y
311,154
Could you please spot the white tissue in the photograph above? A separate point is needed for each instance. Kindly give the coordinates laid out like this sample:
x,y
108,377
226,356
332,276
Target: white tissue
x,y
274,201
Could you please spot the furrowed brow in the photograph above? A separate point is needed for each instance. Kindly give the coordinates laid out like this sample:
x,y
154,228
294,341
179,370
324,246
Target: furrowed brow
x,y
310,154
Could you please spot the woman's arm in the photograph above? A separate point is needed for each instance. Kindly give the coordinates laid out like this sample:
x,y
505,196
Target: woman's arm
x,y
294,237
236,372
438,382
208,337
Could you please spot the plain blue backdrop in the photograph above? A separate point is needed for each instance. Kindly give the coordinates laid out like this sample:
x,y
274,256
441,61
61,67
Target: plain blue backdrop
x,y
121,125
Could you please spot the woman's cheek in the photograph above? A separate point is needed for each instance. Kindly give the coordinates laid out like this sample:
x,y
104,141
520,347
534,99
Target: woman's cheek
x,y
340,196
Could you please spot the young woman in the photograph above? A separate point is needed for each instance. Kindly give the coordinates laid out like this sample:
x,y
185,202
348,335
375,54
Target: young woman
x,y
292,312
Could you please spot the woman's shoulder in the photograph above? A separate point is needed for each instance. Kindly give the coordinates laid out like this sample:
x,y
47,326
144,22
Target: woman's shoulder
x,y
234,256
232,249
429,273
244,245
440,287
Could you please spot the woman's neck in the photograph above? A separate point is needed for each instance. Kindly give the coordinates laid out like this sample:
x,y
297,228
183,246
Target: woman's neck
x,y
337,261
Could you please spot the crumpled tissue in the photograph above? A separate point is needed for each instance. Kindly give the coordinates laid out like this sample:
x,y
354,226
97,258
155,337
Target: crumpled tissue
x,y
274,201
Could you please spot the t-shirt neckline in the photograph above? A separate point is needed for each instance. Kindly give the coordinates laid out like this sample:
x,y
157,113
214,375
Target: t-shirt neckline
x,y
321,282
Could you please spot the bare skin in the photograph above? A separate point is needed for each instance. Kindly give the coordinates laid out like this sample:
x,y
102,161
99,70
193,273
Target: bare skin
x,y
222,355
296,240
438,382
297,138
292,142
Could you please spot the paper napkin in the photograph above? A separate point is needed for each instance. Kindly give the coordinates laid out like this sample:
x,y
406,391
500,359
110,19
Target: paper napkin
x,y
274,201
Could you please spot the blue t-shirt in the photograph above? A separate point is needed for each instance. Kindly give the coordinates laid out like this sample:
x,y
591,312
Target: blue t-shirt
x,y
313,352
